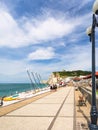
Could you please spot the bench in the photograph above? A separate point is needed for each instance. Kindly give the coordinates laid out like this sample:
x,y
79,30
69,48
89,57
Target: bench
x,y
82,99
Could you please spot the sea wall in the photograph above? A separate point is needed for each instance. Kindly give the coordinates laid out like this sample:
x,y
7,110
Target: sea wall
x,y
89,93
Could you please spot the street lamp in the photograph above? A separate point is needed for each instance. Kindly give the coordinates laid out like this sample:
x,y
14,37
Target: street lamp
x,y
91,32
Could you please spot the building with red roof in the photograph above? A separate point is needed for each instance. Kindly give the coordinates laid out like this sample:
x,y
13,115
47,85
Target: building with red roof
x,y
96,74
89,76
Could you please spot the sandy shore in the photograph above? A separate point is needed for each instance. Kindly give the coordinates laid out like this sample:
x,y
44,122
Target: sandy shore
x,y
25,95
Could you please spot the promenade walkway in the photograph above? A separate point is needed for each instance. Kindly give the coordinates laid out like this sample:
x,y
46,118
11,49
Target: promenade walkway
x,y
54,111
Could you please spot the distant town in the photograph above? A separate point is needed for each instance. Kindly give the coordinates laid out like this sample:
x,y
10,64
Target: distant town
x,y
72,77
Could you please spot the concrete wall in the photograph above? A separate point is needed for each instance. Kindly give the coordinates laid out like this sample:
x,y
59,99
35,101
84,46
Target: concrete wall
x,y
89,93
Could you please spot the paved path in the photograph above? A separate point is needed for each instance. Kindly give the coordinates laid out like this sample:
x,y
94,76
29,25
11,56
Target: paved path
x,y
52,112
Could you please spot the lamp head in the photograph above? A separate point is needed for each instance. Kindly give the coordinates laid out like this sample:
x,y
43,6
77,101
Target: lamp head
x,y
89,31
95,7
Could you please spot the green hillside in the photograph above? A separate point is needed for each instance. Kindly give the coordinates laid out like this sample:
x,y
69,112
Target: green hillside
x,y
65,73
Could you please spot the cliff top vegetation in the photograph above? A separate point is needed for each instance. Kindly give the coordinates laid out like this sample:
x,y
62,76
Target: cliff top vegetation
x,y
65,73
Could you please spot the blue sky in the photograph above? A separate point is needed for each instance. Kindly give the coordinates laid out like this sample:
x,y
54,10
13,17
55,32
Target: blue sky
x,y
44,36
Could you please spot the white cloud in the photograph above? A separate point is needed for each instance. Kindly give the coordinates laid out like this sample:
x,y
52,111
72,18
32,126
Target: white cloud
x,y
42,54
62,44
84,2
50,28
32,31
11,67
39,30
79,57
10,33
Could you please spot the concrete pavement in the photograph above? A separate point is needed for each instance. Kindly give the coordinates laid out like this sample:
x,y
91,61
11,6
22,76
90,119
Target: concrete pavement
x,y
52,112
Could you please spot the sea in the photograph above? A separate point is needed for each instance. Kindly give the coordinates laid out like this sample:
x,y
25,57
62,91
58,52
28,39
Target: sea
x,y
8,89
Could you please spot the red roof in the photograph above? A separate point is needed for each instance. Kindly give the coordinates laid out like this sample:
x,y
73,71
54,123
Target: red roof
x,y
76,79
89,76
96,74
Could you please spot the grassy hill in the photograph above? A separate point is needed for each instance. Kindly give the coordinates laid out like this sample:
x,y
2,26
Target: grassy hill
x,y
65,73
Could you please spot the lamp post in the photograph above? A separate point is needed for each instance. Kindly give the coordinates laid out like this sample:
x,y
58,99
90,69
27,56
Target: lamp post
x,y
91,33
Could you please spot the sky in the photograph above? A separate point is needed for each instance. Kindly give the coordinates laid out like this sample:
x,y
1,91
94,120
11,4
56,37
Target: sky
x,y
44,36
